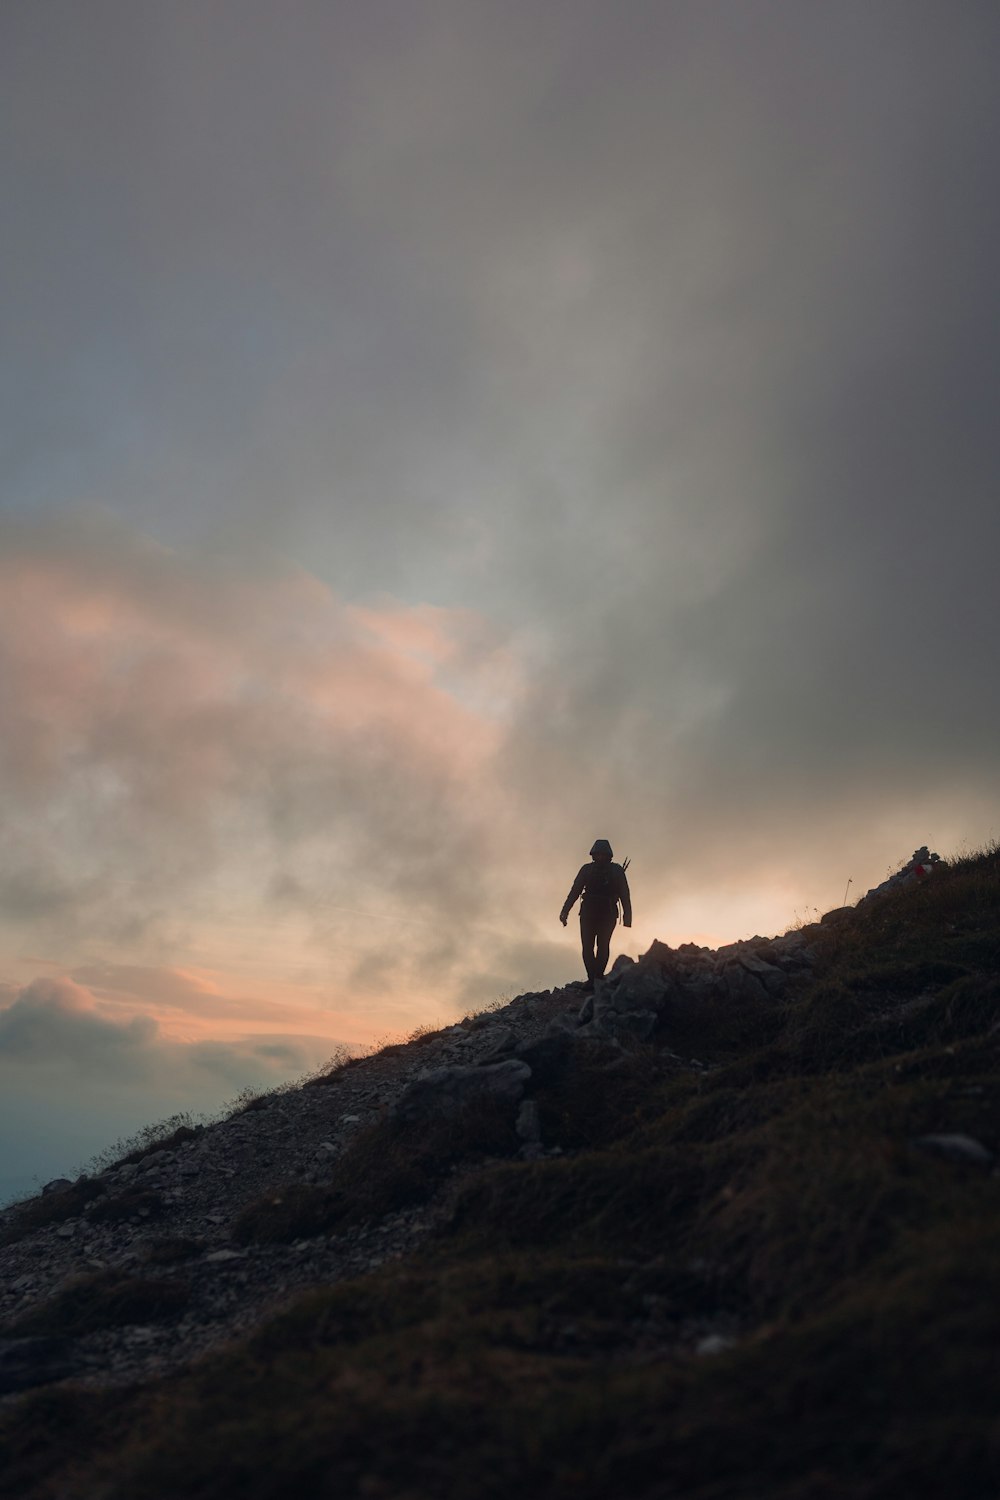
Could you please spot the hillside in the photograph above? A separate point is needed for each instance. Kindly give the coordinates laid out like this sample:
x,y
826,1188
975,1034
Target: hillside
x,y
732,1228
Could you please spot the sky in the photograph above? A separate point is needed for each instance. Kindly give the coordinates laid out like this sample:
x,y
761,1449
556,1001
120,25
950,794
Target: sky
x,y
435,434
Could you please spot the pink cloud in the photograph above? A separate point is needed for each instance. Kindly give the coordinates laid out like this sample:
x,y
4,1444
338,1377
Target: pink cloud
x,y
172,676
212,768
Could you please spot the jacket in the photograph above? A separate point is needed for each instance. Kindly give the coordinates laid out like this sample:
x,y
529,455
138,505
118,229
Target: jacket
x,y
602,885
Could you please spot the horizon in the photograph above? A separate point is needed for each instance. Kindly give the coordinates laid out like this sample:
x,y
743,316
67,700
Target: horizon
x,y
438,436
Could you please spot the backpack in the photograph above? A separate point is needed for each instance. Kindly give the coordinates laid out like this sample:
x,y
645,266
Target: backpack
x,y
601,889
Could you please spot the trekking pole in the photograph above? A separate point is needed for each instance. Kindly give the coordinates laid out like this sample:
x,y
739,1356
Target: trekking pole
x,y
625,863
847,887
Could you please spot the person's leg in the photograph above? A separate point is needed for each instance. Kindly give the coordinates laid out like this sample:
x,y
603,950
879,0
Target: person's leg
x,y
603,933
588,937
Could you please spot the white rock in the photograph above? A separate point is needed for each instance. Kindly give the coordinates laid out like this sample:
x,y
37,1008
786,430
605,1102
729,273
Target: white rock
x,y
956,1147
713,1343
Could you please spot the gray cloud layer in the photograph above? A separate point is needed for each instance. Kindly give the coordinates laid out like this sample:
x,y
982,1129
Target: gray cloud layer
x,y
72,1079
661,336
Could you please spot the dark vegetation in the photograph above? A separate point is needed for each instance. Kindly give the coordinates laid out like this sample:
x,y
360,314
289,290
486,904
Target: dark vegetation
x,y
545,1342
168,1142
53,1208
88,1304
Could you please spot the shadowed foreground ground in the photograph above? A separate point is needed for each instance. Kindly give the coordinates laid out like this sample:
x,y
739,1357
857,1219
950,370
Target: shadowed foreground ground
x,y
755,1278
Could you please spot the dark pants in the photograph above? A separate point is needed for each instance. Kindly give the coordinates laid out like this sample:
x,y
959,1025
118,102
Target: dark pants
x,y
596,928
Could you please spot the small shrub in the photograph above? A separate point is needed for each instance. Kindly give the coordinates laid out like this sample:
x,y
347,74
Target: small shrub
x,y
342,1060
166,1135
90,1304
51,1208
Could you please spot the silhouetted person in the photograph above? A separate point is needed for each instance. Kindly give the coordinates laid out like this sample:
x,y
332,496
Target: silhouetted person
x,y
602,885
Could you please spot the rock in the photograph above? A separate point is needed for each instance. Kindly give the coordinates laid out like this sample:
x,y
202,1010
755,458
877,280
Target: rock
x,y
956,1147
527,1124
500,1039
621,963
768,975
57,1185
220,1257
158,1158
567,1021
657,955
713,1343
34,1361
637,989
917,869
68,1230
638,1023
547,1056
837,916
445,1090
741,984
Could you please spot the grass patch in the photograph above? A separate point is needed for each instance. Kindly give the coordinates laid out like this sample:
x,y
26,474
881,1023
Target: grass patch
x,y
89,1304
51,1208
165,1135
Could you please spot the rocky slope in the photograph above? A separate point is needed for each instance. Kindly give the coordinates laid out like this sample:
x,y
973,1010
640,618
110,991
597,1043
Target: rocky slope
x,y
175,1207
729,1226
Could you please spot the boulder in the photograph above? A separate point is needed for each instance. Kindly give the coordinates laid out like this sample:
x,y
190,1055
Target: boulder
x,y
638,989
446,1090
499,1040
657,956
623,961
741,985
637,1023
547,1057
956,1147
768,975
527,1124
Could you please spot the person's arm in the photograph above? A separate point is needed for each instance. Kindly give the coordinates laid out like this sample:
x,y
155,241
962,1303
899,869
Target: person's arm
x,y
625,897
576,890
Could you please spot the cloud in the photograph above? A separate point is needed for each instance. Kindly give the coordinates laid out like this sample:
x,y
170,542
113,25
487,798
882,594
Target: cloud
x,y
170,719
55,1018
617,382
75,1076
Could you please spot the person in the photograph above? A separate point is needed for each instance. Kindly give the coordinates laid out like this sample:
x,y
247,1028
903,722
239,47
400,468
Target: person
x,y
602,884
